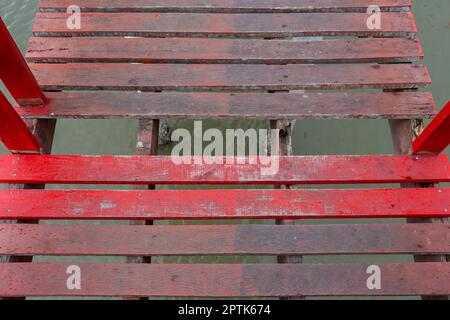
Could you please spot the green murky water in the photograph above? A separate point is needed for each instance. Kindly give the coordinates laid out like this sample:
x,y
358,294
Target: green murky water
x,y
311,136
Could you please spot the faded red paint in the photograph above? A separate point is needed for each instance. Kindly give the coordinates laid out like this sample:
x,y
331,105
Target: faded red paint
x,y
162,170
226,204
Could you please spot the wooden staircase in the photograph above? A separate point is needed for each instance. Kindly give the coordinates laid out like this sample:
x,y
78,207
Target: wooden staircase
x,y
152,60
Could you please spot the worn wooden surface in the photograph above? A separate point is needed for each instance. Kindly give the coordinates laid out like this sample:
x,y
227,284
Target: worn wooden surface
x,y
92,105
154,50
395,24
190,240
146,170
226,204
194,280
157,77
227,6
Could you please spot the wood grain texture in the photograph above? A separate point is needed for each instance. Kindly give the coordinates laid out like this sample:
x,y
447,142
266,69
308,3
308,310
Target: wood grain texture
x,y
160,77
155,50
228,280
147,170
95,105
225,6
395,24
101,240
224,204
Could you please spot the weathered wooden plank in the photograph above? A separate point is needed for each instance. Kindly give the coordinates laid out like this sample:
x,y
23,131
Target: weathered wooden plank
x,y
98,240
147,170
14,133
94,105
225,6
155,50
395,24
212,77
436,137
224,204
227,280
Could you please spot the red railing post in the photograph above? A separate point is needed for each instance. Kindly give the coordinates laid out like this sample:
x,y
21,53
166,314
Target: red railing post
x,y
14,132
15,73
436,136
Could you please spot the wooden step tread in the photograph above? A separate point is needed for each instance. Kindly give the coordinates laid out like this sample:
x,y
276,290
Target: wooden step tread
x,y
224,204
107,240
45,169
155,50
147,105
225,6
228,280
155,77
282,25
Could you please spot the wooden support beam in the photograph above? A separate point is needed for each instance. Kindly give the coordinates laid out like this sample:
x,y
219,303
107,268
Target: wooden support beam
x,y
14,133
146,144
403,133
286,128
436,137
15,73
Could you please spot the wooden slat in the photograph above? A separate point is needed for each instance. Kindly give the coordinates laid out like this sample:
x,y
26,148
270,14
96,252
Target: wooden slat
x,y
222,6
224,204
162,170
394,24
94,105
228,280
156,77
154,50
224,240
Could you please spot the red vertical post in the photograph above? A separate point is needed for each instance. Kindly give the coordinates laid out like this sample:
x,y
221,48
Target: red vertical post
x,y
14,132
436,136
15,73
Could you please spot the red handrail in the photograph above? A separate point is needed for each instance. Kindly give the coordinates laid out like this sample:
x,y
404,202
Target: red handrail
x,y
14,132
20,82
15,73
436,136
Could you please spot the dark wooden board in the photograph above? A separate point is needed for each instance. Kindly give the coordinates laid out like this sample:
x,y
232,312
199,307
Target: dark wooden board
x,y
94,105
156,77
101,240
235,6
155,50
395,24
227,280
